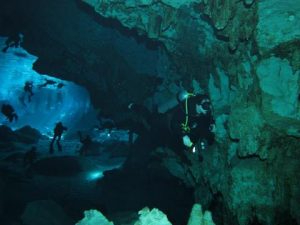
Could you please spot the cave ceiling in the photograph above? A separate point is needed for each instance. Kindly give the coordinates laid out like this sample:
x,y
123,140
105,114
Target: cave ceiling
x,y
71,42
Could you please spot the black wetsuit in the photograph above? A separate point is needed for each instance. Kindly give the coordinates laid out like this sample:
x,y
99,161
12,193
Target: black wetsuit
x,y
198,125
28,89
58,131
86,144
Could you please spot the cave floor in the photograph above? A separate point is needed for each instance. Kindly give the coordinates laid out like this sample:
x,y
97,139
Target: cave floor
x,y
65,177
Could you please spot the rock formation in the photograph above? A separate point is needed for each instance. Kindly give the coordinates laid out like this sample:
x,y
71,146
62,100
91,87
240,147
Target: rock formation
x,y
253,80
150,217
45,212
245,54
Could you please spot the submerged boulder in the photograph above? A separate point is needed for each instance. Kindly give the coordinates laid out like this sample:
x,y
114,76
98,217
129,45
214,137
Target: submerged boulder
x,y
94,217
150,217
6,134
198,217
45,212
28,135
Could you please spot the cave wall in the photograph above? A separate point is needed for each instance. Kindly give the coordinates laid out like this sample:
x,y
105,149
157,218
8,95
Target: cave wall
x,y
74,44
245,54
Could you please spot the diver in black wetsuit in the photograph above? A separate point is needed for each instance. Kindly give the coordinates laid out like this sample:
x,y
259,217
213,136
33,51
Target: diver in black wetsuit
x,y
189,126
86,143
8,111
58,131
28,89
192,123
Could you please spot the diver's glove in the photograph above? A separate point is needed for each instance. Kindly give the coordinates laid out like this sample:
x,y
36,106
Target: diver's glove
x,y
187,141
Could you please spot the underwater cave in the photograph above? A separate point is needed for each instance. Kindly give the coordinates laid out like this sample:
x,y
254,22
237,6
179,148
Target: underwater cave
x,y
143,112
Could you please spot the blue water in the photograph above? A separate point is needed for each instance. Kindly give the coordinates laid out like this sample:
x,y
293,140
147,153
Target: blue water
x,y
69,104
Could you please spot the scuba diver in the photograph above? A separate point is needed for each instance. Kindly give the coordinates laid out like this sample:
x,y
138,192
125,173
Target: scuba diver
x,y
86,143
192,121
190,125
58,131
13,41
8,111
187,128
28,89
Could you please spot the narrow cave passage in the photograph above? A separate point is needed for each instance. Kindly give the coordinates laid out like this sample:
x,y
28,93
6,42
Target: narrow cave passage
x,y
76,183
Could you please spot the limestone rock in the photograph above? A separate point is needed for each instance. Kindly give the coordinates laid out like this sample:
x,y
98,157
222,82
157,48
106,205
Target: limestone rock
x,y
280,90
134,14
232,19
267,189
146,217
278,22
152,217
25,134
180,170
198,218
179,3
94,217
6,134
220,92
251,186
134,3
221,132
28,135
45,212
220,12
245,124
295,195
176,24
245,78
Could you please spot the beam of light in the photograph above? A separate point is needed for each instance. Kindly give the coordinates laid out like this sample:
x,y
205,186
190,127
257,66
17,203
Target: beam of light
x,y
94,175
